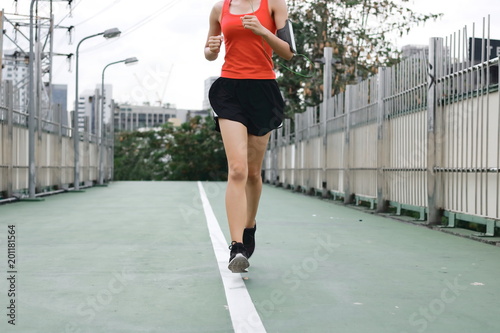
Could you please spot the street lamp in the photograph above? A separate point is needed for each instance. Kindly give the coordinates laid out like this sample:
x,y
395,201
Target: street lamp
x,y
110,33
127,61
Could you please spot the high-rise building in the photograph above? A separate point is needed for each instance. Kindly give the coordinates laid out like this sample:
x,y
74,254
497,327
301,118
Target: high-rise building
x,y
60,101
89,104
87,111
108,97
15,69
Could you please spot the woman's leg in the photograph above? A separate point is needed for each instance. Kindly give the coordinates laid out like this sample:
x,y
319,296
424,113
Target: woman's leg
x,y
256,150
235,138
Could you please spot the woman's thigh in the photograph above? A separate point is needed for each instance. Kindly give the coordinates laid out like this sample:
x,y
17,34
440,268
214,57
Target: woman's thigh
x,y
235,139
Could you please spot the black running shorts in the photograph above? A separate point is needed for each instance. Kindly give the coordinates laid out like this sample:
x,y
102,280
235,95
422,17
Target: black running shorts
x,y
257,104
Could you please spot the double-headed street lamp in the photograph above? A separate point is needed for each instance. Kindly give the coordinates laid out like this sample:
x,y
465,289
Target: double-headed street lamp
x,y
127,61
110,33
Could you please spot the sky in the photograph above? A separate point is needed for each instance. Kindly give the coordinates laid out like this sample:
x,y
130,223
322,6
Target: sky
x,y
168,36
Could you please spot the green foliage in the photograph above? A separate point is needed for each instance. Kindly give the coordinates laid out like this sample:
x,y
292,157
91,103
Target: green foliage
x,y
192,151
360,32
197,152
139,155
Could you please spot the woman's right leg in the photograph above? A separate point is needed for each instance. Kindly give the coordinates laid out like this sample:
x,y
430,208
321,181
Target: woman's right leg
x,y
235,139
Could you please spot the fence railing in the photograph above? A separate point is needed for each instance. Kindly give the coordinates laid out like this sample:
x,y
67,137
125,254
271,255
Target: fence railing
x,y
54,152
422,135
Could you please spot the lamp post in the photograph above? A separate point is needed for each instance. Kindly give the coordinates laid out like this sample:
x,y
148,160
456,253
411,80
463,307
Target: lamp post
x,y
31,112
110,33
127,61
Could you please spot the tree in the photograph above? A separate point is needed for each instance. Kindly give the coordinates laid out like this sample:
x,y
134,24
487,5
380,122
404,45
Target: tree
x,y
192,151
196,152
142,155
359,32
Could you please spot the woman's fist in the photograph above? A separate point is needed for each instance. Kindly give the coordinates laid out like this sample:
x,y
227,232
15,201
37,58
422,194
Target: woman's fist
x,y
214,43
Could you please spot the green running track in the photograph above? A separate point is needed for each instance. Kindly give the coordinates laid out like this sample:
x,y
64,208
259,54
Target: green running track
x,y
139,257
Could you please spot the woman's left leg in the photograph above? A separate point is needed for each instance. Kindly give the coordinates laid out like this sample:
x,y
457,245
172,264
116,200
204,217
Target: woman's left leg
x,y
255,151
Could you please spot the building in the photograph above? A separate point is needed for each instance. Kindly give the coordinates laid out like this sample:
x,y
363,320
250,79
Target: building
x,y
108,98
133,117
412,49
87,111
15,69
89,104
60,102
208,84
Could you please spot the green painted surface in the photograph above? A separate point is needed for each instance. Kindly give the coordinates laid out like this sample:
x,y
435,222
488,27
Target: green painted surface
x,y
119,259
137,257
341,270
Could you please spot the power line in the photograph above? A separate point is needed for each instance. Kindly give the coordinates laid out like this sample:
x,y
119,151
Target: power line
x,y
69,12
95,15
137,25
152,16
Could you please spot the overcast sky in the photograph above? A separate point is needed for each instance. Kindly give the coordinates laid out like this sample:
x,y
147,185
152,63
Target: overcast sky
x,y
167,36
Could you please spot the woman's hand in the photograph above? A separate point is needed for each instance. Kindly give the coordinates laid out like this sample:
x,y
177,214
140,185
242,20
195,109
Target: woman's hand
x,y
252,23
214,43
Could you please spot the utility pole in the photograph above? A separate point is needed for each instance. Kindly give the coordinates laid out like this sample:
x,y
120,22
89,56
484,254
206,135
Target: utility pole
x,y
1,43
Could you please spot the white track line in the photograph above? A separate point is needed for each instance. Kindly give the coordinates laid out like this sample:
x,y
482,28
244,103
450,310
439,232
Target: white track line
x,y
244,316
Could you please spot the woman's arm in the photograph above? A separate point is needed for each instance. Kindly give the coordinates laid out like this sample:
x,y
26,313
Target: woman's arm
x,y
279,12
214,39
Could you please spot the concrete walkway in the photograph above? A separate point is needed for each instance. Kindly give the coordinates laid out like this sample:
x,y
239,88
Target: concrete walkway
x,y
138,257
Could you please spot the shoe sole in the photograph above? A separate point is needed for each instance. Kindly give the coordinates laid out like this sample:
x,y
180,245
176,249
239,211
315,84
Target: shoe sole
x,y
239,264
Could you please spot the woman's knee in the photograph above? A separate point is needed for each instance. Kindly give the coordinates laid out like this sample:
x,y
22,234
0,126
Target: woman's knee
x,y
238,171
254,175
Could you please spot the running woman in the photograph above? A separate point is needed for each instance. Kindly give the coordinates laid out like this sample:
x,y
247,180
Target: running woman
x,y
247,105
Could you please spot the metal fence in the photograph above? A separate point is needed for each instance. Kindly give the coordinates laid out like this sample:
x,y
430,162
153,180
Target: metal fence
x,y
54,153
422,136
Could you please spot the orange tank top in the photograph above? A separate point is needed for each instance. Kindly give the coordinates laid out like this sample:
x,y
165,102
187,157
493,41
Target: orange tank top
x,y
245,51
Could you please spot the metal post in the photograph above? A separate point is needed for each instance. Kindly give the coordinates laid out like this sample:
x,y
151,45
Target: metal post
x,y
9,100
434,193
347,156
39,170
101,123
51,55
60,146
98,130
31,112
102,135
296,141
327,92
86,167
76,132
112,143
1,43
381,148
